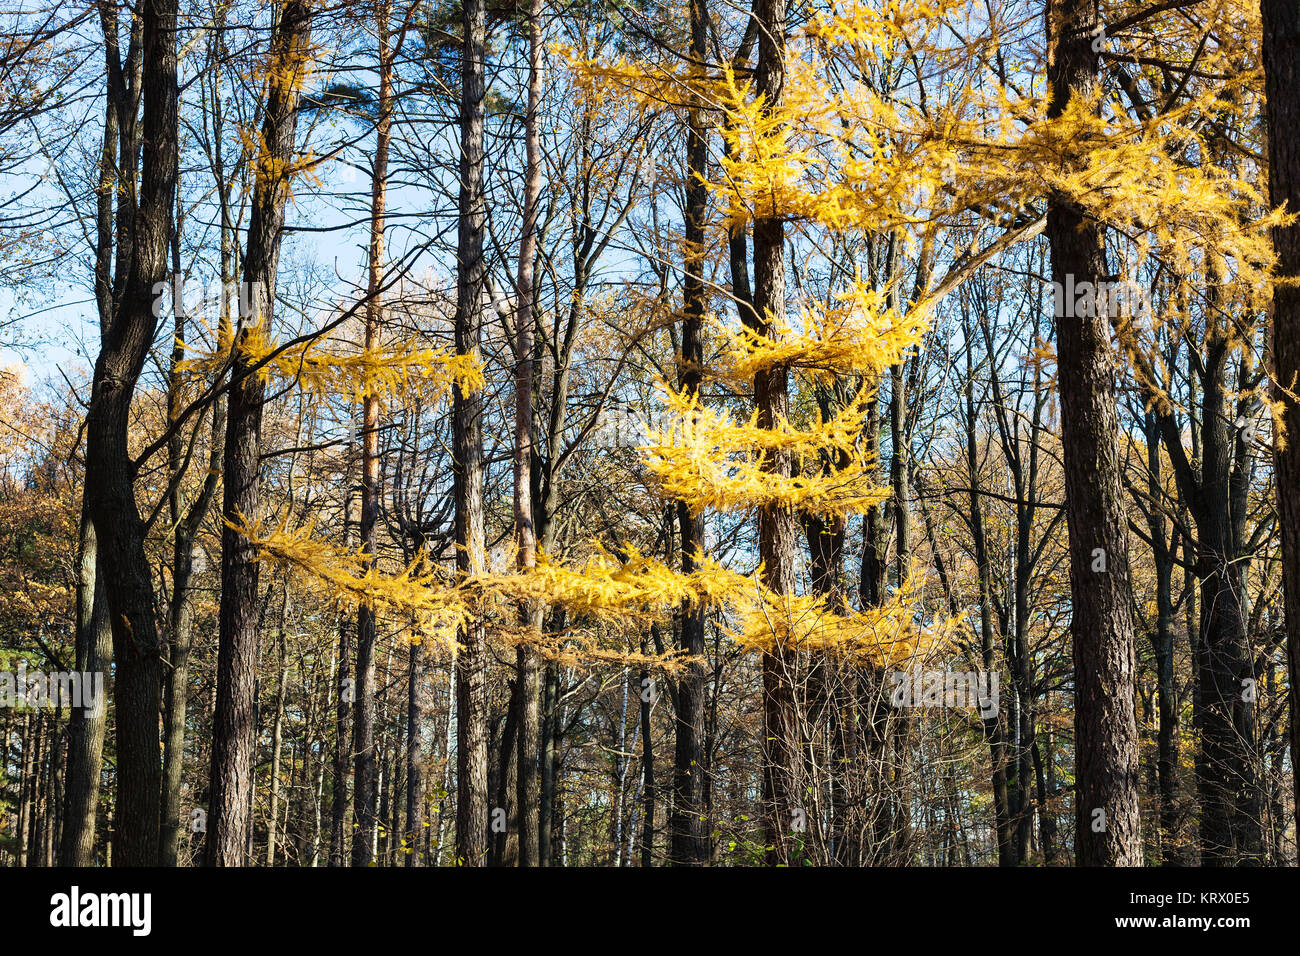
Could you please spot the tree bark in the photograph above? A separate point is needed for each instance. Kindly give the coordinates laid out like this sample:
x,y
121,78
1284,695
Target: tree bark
x,y
467,439
231,787
776,525
110,473
1108,829
366,772
414,763
342,724
85,729
525,532
1281,56
687,825
94,635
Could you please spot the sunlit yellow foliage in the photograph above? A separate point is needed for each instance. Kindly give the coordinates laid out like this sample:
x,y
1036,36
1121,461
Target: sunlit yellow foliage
x,y
862,334
707,459
384,372
888,636
846,159
347,575
621,593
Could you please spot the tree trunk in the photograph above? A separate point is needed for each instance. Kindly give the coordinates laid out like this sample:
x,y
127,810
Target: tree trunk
x,y
467,425
366,772
342,711
1163,645
414,762
85,728
776,525
549,732
1108,831
687,824
231,788
525,533
110,476
1281,55
277,733
647,766
94,635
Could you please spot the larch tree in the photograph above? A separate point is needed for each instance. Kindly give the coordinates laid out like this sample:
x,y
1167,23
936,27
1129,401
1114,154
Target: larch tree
x,y
526,662
1281,57
467,410
288,63
366,771
1107,821
689,840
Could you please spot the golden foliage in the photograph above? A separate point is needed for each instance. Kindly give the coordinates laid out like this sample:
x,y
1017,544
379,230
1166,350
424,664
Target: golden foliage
x,y
383,372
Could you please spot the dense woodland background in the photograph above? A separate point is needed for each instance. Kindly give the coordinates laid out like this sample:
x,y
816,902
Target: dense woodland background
x,y
402,550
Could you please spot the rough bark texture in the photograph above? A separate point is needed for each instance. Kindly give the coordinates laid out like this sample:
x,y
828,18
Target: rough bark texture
x,y
365,769
1106,774
687,823
231,783
94,637
110,473
1281,53
777,528
467,452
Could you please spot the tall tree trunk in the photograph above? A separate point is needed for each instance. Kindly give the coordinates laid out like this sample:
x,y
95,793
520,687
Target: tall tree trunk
x,y
110,473
1108,831
687,824
467,452
414,762
505,814
549,732
525,533
233,725
1281,54
647,765
1046,787
776,525
1231,830
94,635
1163,645
366,772
277,731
